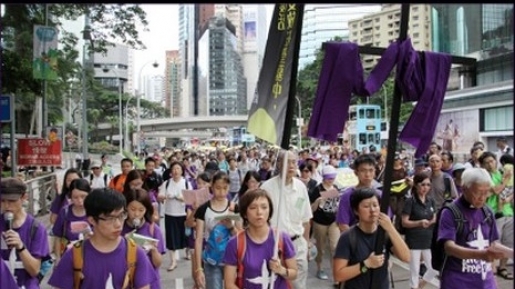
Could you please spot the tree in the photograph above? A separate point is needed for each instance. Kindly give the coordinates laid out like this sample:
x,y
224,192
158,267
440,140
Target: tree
x,y
108,21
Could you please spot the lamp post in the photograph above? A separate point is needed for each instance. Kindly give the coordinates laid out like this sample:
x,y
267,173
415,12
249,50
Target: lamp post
x,y
126,137
120,129
87,58
138,107
299,122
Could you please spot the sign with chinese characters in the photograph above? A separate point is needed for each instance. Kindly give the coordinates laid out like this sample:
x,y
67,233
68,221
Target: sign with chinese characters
x,y
39,152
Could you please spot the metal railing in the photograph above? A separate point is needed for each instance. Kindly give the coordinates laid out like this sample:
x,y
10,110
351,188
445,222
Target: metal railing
x,y
41,191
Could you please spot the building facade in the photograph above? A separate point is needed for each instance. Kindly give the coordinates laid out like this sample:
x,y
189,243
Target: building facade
x,y
112,68
323,22
255,33
172,83
382,28
483,111
222,84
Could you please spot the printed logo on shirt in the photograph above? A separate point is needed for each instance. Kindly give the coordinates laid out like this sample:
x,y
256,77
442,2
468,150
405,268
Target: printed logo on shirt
x,y
476,266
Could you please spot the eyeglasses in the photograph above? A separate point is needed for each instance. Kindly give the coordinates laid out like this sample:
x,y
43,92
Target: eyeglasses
x,y
425,184
95,168
111,219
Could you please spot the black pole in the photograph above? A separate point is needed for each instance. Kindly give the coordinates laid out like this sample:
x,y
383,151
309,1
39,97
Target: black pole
x,y
392,143
290,106
196,20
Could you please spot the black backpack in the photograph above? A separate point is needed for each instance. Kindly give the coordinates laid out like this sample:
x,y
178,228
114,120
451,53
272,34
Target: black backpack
x,y
438,256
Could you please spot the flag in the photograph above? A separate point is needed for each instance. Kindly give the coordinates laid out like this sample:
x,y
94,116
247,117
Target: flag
x,y
44,64
271,112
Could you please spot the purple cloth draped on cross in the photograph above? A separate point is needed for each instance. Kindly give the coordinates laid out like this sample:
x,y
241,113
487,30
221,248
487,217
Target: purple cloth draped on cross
x,y
422,79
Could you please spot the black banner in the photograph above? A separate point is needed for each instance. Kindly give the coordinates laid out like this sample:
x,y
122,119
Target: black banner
x,y
271,112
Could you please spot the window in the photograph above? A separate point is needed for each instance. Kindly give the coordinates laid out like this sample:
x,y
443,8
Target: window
x,y
362,139
496,119
361,113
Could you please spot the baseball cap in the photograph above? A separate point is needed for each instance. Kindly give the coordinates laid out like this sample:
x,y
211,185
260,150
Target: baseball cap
x,y
328,172
95,164
12,189
458,167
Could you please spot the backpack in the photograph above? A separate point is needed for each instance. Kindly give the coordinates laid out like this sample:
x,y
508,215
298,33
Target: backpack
x,y
447,194
105,180
168,184
215,245
241,245
78,262
62,240
46,261
439,257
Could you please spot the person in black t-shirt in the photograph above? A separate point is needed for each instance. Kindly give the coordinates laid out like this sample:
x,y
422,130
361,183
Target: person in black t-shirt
x,y
324,209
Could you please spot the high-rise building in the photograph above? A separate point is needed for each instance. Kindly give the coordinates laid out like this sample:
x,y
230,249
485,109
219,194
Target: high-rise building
x,y
323,22
382,28
172,87
255,31
222,86
116,62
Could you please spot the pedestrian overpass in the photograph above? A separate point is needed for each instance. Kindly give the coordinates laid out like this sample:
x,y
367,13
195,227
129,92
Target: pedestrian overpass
x,y
173,125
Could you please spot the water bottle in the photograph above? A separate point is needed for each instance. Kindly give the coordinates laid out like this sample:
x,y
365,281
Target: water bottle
x,y
46,265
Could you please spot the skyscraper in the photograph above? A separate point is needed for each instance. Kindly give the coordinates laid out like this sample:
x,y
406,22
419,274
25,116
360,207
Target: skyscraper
x,y
323,22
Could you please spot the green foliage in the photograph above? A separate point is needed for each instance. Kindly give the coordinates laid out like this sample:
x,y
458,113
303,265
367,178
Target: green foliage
x,y
108,21
103,147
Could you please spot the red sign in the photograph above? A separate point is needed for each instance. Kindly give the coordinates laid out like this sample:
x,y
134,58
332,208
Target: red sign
x,y
39,152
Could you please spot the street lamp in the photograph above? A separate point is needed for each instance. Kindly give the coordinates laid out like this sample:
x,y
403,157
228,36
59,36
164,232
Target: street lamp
x,y
106,70
126,137
299,122
138,107
87,55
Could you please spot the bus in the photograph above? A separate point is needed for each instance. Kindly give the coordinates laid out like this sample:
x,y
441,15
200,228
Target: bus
x,y
364,126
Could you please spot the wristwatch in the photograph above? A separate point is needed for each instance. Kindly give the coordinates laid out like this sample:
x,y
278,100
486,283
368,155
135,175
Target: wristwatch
x,y
362,267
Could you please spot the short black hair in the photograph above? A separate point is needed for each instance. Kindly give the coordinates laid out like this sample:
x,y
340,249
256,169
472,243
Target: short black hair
x,y
485,155
364,159
361,194
103,201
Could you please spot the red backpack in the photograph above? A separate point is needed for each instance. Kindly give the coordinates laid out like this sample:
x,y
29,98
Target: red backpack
x,y
241,245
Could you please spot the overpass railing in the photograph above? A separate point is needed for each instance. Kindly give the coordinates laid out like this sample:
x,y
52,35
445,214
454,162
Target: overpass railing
x,y
41,191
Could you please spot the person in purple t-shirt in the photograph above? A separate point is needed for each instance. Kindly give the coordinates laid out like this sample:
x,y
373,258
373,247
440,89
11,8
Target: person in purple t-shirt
x,y
63,230
364,168
470,254
7,280
258,260
21,249
140,221
104,253
61,200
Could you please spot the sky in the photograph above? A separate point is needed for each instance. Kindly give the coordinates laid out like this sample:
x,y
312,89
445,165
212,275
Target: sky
x,y
163,34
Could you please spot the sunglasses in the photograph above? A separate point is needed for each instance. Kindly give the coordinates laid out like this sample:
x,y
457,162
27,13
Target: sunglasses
x,y
95,168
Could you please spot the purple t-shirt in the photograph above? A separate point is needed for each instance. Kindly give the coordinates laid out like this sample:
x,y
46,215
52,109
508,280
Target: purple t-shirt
x,y
345,214
256,259
158,234
99,267
478,233
65,218
56,205
38,248
6,280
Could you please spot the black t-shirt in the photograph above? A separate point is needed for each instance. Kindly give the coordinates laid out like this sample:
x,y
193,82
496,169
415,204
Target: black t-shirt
x,y
419,238
365,244
326,213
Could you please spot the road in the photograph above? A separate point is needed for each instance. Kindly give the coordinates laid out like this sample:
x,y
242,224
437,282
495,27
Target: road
x,y
180,278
